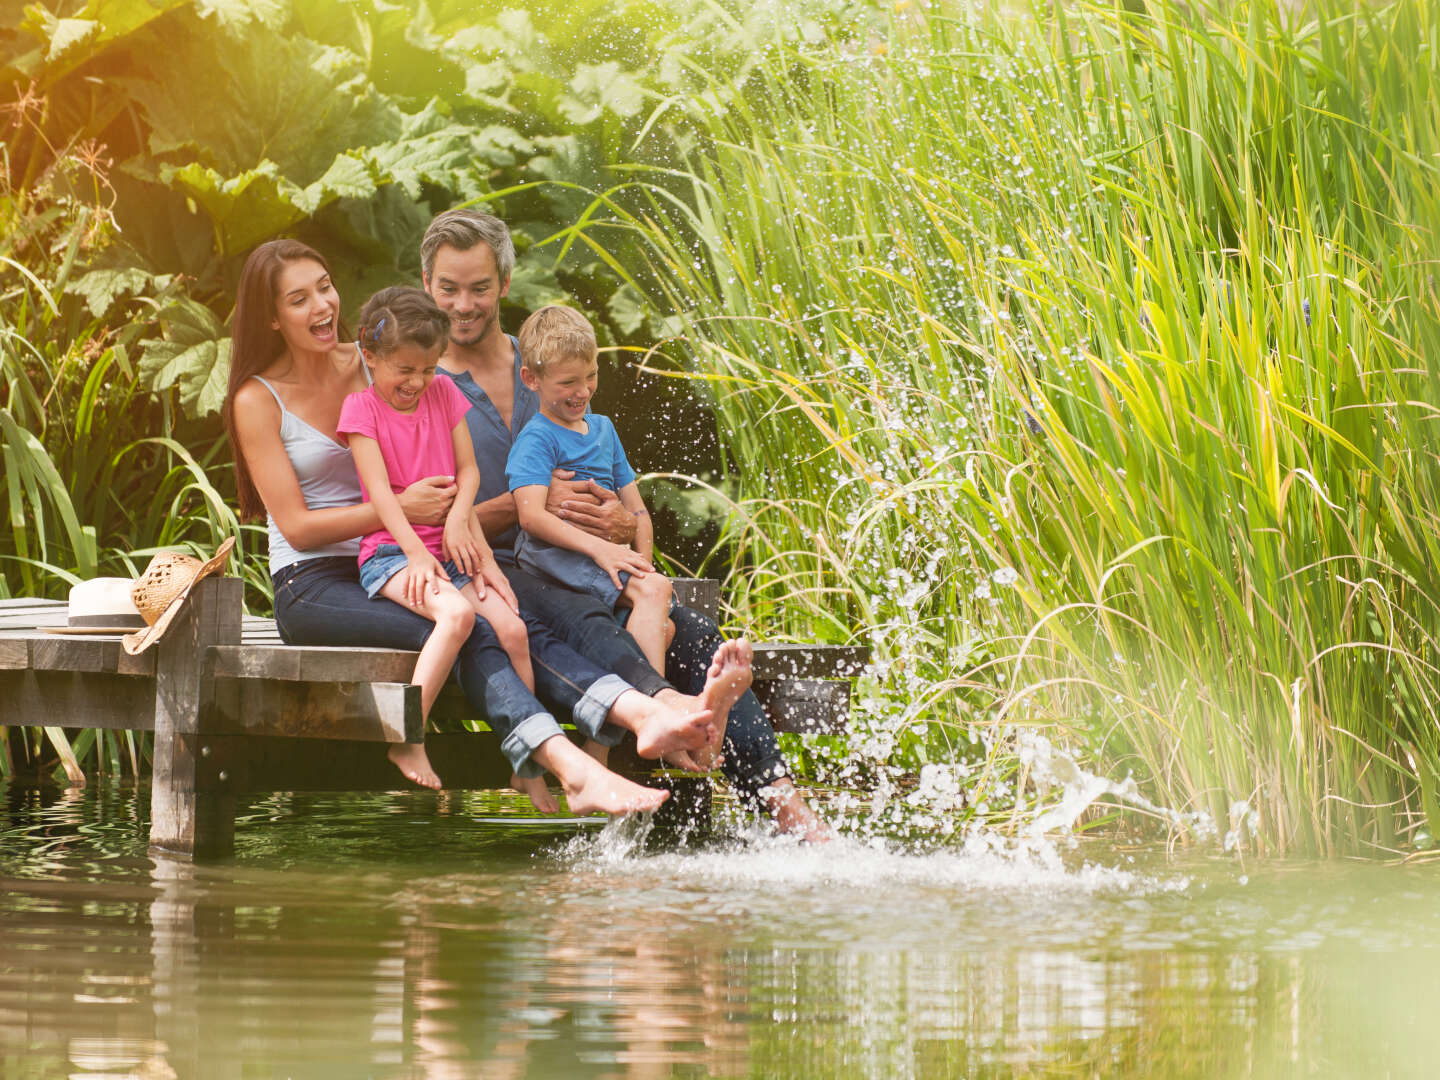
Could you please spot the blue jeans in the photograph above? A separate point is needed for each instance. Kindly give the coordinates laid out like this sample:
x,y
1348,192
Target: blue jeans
x,y
321,602
752,756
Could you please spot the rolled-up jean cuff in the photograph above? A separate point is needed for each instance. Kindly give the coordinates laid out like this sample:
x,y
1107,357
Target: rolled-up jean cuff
x,y
525,738
590,711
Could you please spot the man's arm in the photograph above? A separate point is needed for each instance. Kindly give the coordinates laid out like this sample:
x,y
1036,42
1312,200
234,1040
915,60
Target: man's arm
x,y
590,507
496,515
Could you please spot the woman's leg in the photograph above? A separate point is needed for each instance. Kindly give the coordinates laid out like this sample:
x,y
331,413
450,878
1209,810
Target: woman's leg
x,y
320,602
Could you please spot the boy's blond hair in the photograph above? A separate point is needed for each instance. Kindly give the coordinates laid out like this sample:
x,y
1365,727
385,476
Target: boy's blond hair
x,y
556,333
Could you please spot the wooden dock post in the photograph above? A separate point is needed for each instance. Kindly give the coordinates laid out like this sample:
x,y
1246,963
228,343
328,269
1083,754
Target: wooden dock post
x,y
190,814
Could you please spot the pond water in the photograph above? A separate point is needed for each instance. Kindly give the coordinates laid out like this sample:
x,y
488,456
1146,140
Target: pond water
x,y
416,935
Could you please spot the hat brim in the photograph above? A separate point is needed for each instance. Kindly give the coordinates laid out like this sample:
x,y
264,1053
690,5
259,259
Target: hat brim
x,y
81,631
141,640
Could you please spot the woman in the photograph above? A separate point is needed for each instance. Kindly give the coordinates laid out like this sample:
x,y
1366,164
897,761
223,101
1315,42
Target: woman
x,y
290,373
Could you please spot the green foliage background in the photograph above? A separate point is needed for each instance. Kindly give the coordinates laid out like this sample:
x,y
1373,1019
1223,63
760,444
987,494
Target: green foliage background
x,y
1080,358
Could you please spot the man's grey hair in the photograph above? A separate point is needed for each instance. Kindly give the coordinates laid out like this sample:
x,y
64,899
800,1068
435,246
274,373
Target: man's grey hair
x,y
462,229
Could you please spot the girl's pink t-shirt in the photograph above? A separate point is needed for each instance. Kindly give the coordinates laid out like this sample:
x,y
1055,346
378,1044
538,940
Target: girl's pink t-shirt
x,y
414,445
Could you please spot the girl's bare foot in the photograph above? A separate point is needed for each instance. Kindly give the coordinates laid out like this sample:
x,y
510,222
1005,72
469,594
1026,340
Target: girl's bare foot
x,y
792,813
414,764
539,793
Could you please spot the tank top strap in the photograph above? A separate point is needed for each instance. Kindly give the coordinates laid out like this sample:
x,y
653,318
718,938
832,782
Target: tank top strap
x,y
273,392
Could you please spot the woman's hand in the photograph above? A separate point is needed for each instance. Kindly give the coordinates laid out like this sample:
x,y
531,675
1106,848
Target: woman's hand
x,y
459,545
427,501
612,558
423,575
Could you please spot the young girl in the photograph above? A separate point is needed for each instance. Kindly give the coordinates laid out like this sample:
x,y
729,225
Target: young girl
x,y
407,425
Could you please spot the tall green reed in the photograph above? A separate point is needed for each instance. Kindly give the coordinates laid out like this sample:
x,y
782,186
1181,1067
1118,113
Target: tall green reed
x,y
1081,359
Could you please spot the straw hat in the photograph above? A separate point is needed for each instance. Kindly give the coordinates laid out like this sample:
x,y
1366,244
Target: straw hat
x,y
160,592
101,606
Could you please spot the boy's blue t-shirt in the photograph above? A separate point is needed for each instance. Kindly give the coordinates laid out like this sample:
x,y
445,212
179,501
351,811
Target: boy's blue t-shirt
x,y
543,446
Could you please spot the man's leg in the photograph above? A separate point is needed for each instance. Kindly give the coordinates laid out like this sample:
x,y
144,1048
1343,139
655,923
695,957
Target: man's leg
x,y
588,626
753,762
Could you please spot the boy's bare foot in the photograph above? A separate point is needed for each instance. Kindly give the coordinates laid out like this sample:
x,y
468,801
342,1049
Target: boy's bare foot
x,y
539,792
414,764
593,789
792,813
729,676
669,730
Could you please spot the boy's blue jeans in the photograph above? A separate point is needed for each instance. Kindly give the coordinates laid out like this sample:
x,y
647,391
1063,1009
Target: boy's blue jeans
x,y
752,756
321,602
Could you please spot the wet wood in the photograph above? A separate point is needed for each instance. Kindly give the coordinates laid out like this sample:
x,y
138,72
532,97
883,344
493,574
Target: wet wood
x,y
387,712
806,706
785,661
72,699
186,819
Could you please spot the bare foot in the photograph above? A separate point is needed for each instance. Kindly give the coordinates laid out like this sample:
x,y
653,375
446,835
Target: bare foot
x,y
593,788
792,813
729,677
535,787
414,764
667,730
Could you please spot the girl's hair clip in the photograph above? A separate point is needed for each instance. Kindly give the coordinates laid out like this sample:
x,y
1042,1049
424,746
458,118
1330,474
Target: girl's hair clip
x,y
375,334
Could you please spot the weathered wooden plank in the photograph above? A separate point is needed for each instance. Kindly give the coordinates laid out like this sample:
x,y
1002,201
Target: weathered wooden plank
x,y
54,652
186,819
805,706
464,760
13,602
699,594
786,661
77,699
370,712
311,663
14,654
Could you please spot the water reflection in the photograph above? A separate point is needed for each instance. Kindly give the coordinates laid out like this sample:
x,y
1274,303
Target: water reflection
x,y
415,937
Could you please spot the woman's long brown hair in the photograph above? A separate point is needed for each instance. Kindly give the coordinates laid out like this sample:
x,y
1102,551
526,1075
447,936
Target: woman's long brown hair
x,y
255,343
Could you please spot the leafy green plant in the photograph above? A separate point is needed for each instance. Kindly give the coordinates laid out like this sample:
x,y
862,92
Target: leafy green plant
x,y
1080,361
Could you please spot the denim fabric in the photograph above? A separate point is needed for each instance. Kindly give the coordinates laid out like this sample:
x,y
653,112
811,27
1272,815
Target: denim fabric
x,y
389,560
585,624
752,756
572,569
321,602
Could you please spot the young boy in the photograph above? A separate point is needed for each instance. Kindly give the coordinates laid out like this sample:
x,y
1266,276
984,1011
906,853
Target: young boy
x,y
558,353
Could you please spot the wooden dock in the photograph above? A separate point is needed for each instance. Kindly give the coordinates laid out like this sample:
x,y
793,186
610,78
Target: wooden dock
x,y
235,711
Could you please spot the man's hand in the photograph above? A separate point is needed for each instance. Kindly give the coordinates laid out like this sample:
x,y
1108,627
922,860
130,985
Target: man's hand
x,y
587,505
427,501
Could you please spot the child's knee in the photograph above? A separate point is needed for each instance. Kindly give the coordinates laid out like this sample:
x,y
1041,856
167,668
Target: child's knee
x,y
453,616
514,638
652,589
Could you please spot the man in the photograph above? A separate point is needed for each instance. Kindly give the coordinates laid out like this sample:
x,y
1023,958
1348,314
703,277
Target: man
x,y
466,259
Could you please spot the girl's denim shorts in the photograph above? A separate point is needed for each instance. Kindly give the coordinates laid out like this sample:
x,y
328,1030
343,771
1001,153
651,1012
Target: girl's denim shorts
x,y
389,560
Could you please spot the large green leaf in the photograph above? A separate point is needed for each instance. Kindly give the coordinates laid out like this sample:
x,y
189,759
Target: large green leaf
x,y
193,355
48,47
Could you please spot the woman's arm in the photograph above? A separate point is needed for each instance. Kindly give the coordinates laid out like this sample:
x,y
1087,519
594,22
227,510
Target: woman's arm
x,y
257,430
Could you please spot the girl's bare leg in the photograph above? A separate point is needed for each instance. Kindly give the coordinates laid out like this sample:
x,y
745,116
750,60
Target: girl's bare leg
x,y
453,620
508,627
